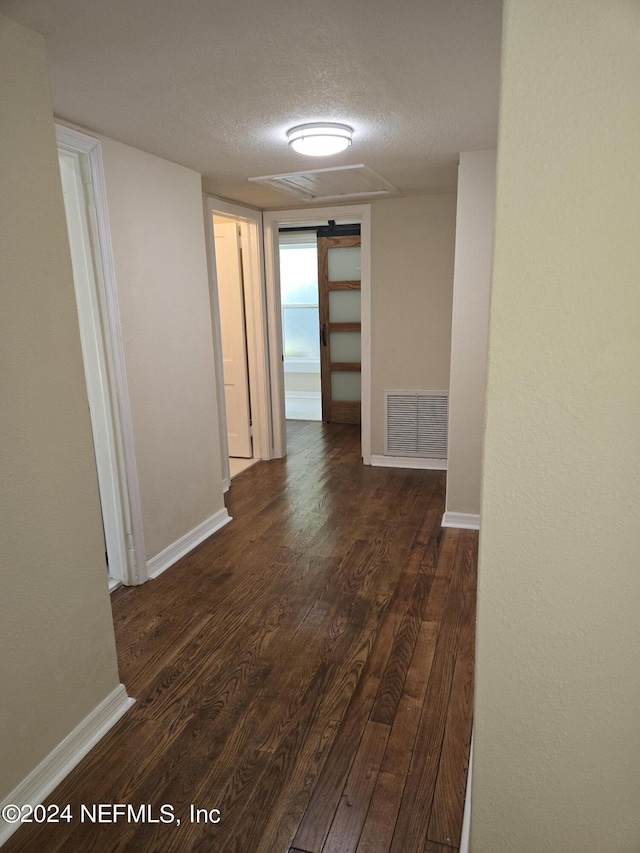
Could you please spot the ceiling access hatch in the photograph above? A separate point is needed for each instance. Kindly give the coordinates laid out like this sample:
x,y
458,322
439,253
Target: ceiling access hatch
x,y
330,184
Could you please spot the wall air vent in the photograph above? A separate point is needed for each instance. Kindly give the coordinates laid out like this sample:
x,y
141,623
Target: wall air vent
x,y
330,184
416,423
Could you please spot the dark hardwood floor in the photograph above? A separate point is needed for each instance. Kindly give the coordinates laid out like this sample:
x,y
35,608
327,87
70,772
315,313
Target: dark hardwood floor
x,y
308,671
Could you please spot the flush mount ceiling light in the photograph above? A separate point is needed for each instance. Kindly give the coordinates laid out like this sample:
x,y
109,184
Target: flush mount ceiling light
x,y
320,138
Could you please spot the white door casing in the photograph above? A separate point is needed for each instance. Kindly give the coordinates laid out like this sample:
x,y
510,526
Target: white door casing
x,y
103,356
94,359
233,338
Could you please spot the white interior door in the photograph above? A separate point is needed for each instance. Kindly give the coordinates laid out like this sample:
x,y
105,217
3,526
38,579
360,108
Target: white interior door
x,y
234,341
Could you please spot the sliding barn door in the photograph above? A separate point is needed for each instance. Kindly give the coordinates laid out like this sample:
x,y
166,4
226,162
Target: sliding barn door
x,y
339,282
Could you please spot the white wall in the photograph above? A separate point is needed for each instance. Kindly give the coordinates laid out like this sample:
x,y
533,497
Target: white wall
x,y
557,717
412,246
470,329
155,211
56,633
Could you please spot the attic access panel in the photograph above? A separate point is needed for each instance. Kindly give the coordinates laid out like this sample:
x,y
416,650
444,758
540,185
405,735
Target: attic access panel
x,y
330,184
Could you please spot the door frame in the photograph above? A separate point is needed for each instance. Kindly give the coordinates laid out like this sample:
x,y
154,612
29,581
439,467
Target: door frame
x,y
99,317
272,220
251,229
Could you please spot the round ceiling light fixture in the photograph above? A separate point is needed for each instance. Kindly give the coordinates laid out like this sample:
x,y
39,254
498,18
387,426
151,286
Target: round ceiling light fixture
x,y
320,138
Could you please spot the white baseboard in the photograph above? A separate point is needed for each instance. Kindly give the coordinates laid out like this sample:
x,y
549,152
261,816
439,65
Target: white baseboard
x,y
60,762
464,520
466,815
165,559
418,463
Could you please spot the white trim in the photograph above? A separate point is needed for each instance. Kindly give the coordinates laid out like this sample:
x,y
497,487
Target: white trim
x,y
365,339
77,191
274,319
466,815
419,463
272,219
165,559
37,786
463,520
217,345
135,572
257,336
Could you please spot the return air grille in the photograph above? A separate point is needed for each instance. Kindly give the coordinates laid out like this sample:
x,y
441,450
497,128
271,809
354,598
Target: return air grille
x,y
416,423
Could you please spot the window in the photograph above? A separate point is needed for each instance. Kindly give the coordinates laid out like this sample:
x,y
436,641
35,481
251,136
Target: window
x,y
299,295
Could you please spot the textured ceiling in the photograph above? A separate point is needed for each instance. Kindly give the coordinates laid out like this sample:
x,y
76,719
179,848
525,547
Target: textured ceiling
x,y
215,84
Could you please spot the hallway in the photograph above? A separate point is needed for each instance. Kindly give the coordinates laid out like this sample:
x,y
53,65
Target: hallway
x,y
307,671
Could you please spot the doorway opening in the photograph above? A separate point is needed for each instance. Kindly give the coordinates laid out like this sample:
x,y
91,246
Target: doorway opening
x,y
239,318
320,284
346,379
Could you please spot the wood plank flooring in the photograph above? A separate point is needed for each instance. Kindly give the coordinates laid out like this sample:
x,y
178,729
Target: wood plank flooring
x,y
307,671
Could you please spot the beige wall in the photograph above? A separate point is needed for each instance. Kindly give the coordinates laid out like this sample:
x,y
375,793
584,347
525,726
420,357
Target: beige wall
x,y
56,633
412,245
155,211
557,722
470,326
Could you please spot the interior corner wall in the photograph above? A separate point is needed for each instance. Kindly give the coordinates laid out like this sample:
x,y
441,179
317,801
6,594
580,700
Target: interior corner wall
x,y
157,230
556,722
412,252
470,328
56,632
